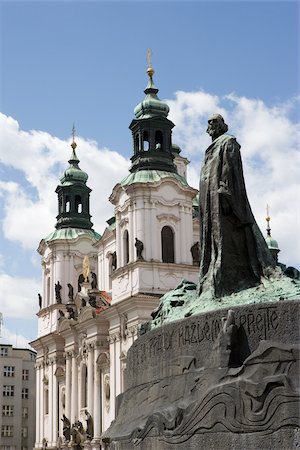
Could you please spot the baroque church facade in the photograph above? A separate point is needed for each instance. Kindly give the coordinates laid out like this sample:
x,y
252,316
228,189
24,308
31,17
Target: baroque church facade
x,y
98,290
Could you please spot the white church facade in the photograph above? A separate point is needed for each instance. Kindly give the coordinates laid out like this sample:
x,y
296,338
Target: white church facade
x,y
97,290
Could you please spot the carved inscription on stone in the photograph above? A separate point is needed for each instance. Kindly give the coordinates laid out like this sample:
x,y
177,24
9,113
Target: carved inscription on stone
x,y
261,323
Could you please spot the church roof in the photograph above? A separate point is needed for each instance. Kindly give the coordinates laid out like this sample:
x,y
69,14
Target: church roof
x,y
148,176
71,234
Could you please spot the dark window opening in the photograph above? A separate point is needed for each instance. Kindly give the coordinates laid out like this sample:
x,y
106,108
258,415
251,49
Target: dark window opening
x,y
137,144
126,246
78,204
158,140
167,245
146,144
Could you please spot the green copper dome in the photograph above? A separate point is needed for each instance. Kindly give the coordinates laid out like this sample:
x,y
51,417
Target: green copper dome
x,y
73,174
151,106
272,243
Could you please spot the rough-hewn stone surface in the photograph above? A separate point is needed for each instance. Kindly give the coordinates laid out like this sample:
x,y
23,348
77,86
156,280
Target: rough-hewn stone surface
x,y
225,379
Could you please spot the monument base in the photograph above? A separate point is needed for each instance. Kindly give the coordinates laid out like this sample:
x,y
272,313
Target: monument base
x,y
224,379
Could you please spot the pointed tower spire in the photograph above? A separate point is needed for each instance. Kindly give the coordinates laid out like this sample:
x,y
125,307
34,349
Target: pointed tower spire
x,y
151,131
73,195
272,243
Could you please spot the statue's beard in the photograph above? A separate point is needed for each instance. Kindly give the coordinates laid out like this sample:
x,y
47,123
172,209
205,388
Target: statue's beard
x,y
213,131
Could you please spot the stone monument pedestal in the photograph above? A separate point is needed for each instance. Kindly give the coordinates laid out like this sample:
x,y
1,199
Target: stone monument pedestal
x,y
222,379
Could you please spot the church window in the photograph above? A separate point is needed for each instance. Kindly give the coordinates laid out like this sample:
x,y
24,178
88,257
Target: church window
x,y
137,143
146,144
60,205
78,203
167,245
67,204
158,140
126,246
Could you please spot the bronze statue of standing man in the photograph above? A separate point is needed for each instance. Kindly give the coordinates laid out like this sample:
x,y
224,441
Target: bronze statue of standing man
x,y
234,255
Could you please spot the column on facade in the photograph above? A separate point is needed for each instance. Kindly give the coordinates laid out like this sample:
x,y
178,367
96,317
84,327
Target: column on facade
x,y
37,402
97,412
112,351
181,259
42,408
55,409
68,386
131,232
74,390
50,400
155,240
119,241
90,380
51,300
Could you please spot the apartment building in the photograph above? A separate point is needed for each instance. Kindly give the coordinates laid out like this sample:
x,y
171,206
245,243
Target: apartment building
x,y
17,398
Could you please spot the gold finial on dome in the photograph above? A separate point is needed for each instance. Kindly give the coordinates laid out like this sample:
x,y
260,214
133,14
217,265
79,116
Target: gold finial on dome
x,y
150,70
73,145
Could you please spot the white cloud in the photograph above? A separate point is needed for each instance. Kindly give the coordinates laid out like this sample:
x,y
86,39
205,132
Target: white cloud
x,y
15,339
270,150
19,296
42,158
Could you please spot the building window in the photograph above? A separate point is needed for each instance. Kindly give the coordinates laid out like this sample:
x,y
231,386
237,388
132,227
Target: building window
x,y
24,432
8,391
126,246
7,410
7,431
25,374
9,371
158,140
78,204
167,245
3,351
24,393
24,412
146,143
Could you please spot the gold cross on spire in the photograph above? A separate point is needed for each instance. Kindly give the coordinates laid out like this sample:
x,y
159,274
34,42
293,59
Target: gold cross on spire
x,y
150,70
73,145
149,57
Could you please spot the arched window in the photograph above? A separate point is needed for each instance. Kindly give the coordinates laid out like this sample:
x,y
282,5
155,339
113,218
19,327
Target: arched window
x,y
146,144
78,203
84,386
126,247
137,144
167,245
67,204
158,140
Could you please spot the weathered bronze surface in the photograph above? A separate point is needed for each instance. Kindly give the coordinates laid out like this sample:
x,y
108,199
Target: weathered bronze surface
x,y
234,255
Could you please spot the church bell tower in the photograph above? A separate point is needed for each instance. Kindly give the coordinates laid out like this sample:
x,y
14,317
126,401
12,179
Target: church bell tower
x,y
152,131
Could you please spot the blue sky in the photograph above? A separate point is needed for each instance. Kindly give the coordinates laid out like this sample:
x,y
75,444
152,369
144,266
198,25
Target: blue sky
x,y
84,63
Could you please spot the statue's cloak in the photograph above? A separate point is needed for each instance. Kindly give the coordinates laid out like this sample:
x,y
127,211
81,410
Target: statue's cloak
x,y
234,254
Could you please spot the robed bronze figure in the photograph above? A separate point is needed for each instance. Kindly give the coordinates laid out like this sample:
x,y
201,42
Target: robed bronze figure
x,y
234,255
